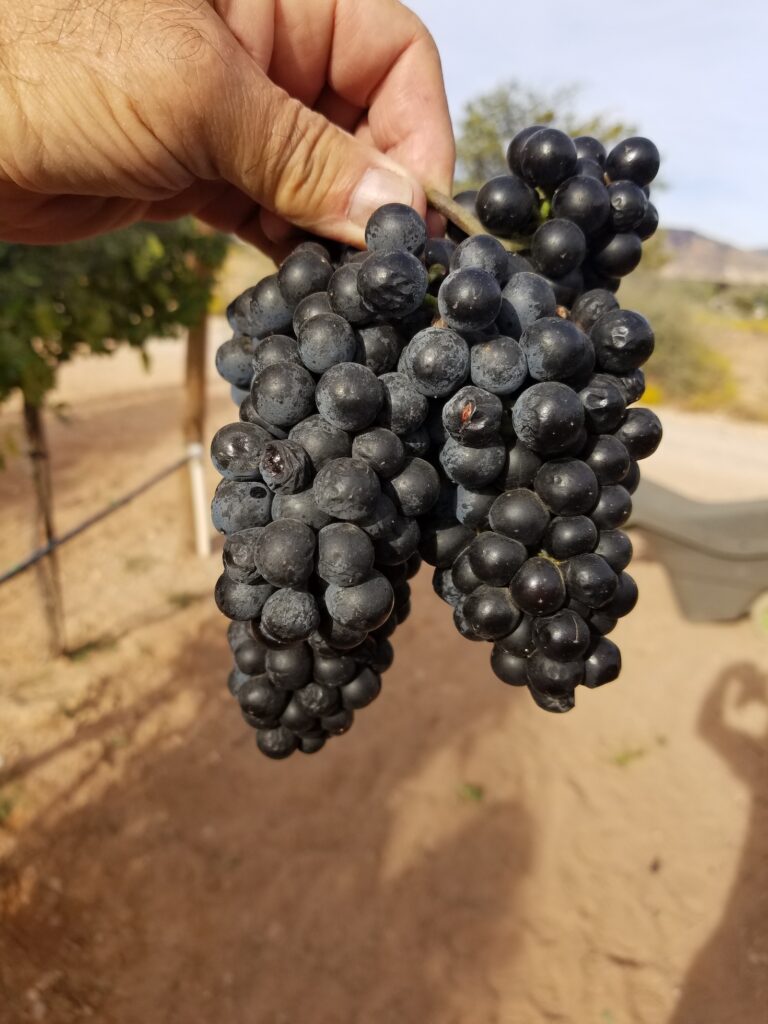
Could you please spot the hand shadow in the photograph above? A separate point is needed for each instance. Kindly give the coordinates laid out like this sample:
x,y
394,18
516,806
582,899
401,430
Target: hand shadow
x,y
728,979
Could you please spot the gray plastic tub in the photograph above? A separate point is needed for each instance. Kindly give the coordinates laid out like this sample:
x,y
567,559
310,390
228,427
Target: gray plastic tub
x,y
716,554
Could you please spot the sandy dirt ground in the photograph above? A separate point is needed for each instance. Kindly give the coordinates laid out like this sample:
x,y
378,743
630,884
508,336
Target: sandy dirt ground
x,y
459,858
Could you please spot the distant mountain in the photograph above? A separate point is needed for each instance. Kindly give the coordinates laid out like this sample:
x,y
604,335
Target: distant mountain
x,y
695,257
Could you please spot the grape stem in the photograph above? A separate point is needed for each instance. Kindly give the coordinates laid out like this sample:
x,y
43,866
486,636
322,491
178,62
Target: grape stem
x,y
465,221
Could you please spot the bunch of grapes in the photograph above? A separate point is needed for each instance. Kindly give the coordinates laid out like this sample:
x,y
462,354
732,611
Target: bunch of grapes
x,y
463,401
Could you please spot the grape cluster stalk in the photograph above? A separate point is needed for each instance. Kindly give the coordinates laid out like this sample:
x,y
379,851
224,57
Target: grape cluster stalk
x,y
468,402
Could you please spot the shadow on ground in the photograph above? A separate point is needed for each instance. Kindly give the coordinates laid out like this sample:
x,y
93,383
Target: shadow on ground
x,y
212,885
728,979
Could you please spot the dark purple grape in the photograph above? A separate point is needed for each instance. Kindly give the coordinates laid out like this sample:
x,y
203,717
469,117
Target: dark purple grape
x,y
392,283
396,226
346,489
538,587
302,273
558,246
345,554
507,206
636,159
469,299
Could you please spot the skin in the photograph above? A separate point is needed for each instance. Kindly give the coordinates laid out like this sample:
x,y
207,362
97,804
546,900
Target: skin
x,y
259,116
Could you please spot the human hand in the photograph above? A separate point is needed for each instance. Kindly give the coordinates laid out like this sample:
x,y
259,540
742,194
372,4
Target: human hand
x,y
254,115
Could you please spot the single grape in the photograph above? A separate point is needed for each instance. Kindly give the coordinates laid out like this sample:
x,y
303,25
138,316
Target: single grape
x,y
525,298
436,360
603,663
300,506
547,158
276,743
234,361
277,348
538,587
624,599
554,678
521,515
547,416
485,253
361,691
283,394
414,490
507,206
648,225
344,296
285,467
473,505
240,504
469,299
236,450
381,449
285,551
317,700
325,340
345,554
346,489
509,668
240,601
404,406
395,226
321,440
472,415
239,556
570,535
636,159
607,458
472,466
515,148
640,433
603,403
563,636
398,545
590,579
583,200
557,247
303,272
379,347
466,200
312,305
613,508
520,467
615,547
392,283
289,615
589,148
498,365
490,612
590,306
349,396
289,668
494,558
618,256
628,205
555,349
568,487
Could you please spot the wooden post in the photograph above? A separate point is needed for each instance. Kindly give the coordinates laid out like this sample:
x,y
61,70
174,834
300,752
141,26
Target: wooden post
x,y
194,433
48,568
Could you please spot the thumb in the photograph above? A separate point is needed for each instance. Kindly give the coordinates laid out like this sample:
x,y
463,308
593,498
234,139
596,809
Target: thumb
x,y
294,162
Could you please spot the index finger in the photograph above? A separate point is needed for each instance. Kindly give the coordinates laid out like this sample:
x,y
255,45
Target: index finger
x,y
384,60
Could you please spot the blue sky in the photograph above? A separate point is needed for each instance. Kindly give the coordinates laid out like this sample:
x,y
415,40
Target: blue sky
x,y
692,75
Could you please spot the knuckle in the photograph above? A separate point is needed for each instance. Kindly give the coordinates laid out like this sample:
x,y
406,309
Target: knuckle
x,y
296,155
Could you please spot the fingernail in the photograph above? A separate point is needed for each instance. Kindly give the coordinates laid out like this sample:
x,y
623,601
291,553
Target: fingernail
x,y
378,186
